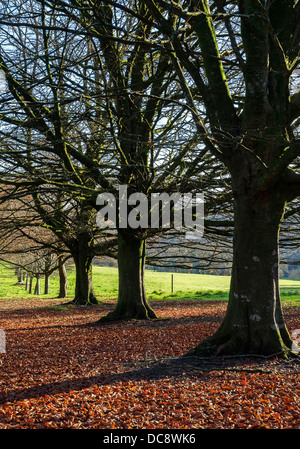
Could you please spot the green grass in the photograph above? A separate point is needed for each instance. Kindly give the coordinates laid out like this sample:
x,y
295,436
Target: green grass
x,y
158,285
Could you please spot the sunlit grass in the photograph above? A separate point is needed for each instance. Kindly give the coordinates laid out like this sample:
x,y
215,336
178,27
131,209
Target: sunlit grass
x,y
158,285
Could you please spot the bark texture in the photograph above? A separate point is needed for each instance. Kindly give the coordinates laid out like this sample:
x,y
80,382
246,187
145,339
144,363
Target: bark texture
x,y
132,302
63,280
254,321
83,258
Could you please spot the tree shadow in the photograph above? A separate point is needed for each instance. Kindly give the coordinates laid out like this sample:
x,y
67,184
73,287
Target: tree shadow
x,y
130,323
62,309
187,366
156,371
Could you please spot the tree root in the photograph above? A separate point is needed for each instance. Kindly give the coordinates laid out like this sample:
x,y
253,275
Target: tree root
x,y
136,314
216,346
80,302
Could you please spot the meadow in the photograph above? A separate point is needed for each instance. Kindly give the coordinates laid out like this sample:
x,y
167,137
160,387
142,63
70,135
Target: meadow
x,y
158,285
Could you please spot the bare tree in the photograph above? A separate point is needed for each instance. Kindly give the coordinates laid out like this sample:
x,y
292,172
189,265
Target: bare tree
x,y
218,47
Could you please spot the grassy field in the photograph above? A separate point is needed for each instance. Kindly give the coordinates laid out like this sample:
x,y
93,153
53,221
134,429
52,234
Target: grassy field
x,y
158,285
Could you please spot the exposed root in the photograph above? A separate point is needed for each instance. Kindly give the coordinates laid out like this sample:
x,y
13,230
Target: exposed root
x,y
81,302
140,313
214,347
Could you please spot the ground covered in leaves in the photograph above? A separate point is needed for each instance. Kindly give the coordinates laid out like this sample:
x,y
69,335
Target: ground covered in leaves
x,y
61,371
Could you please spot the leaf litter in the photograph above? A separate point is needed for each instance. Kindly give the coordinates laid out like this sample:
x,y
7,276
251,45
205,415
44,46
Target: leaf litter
x,y
62,371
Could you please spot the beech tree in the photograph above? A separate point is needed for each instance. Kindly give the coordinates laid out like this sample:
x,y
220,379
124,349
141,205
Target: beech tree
x,y
217,46
73,223
43,227
154,142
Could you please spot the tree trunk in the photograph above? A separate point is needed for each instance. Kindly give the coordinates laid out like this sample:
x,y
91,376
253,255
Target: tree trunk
x,y
84,291
132,302
19,273
30,284
37,286
253,323
46,288
63,280
27,282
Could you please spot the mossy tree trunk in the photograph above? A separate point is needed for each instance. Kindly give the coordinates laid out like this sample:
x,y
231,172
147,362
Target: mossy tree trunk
x,y
30,284
83,258
37,285
254,322
132,302
47,282
63,279
84,291
255,139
